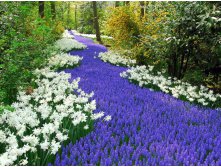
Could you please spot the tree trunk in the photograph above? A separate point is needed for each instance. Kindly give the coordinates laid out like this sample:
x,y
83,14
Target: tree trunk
x,y
174,65
116,4
96,24
75,17
172,61
53,10
62,11
141,9
186,64
41,7
127,3
68,14
180,70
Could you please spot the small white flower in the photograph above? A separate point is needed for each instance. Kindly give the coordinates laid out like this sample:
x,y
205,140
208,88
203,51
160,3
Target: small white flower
x,y
107,118
45,145
2,137
86,127
191,99
78,117
37,131
23,162
97,115
55,146
61,137
32,140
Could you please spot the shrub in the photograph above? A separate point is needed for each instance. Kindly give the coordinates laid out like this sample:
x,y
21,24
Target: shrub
x,y
122,27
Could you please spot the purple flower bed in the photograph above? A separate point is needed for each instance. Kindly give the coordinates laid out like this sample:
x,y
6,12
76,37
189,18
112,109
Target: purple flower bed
x,y
147,128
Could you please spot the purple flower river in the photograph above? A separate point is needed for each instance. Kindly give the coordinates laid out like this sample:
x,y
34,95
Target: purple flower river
x,y
147,128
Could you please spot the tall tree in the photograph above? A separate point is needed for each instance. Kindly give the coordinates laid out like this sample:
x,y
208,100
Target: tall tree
x,y
53,10
41,7
96,24
68,14
75,17
127,3
141,9
116,3
62,10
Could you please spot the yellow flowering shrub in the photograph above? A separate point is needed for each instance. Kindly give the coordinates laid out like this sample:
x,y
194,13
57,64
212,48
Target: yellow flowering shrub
x,y
145,36
122,27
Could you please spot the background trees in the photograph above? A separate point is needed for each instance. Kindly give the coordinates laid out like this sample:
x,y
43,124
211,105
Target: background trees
x,y
41,9
85,15
181,37
195,38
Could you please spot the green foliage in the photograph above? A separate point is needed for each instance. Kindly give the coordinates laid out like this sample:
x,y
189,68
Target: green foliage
x,y
194,76
7,107
194,42
22,46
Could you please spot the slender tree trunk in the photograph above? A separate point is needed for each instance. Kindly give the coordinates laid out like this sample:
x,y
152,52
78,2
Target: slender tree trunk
x,y
175,65
68,14
145,7
181,66
127,3
75,17
96,24
41,9
186,64
53,10
62,11
169,67
187,59
172,62
142,10
172,65
116,4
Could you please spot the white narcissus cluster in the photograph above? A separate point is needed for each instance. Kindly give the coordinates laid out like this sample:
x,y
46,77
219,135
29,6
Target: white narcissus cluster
x,y
63,60
183,90
66,34
44,119
40,119
93,36
68,44
116,59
